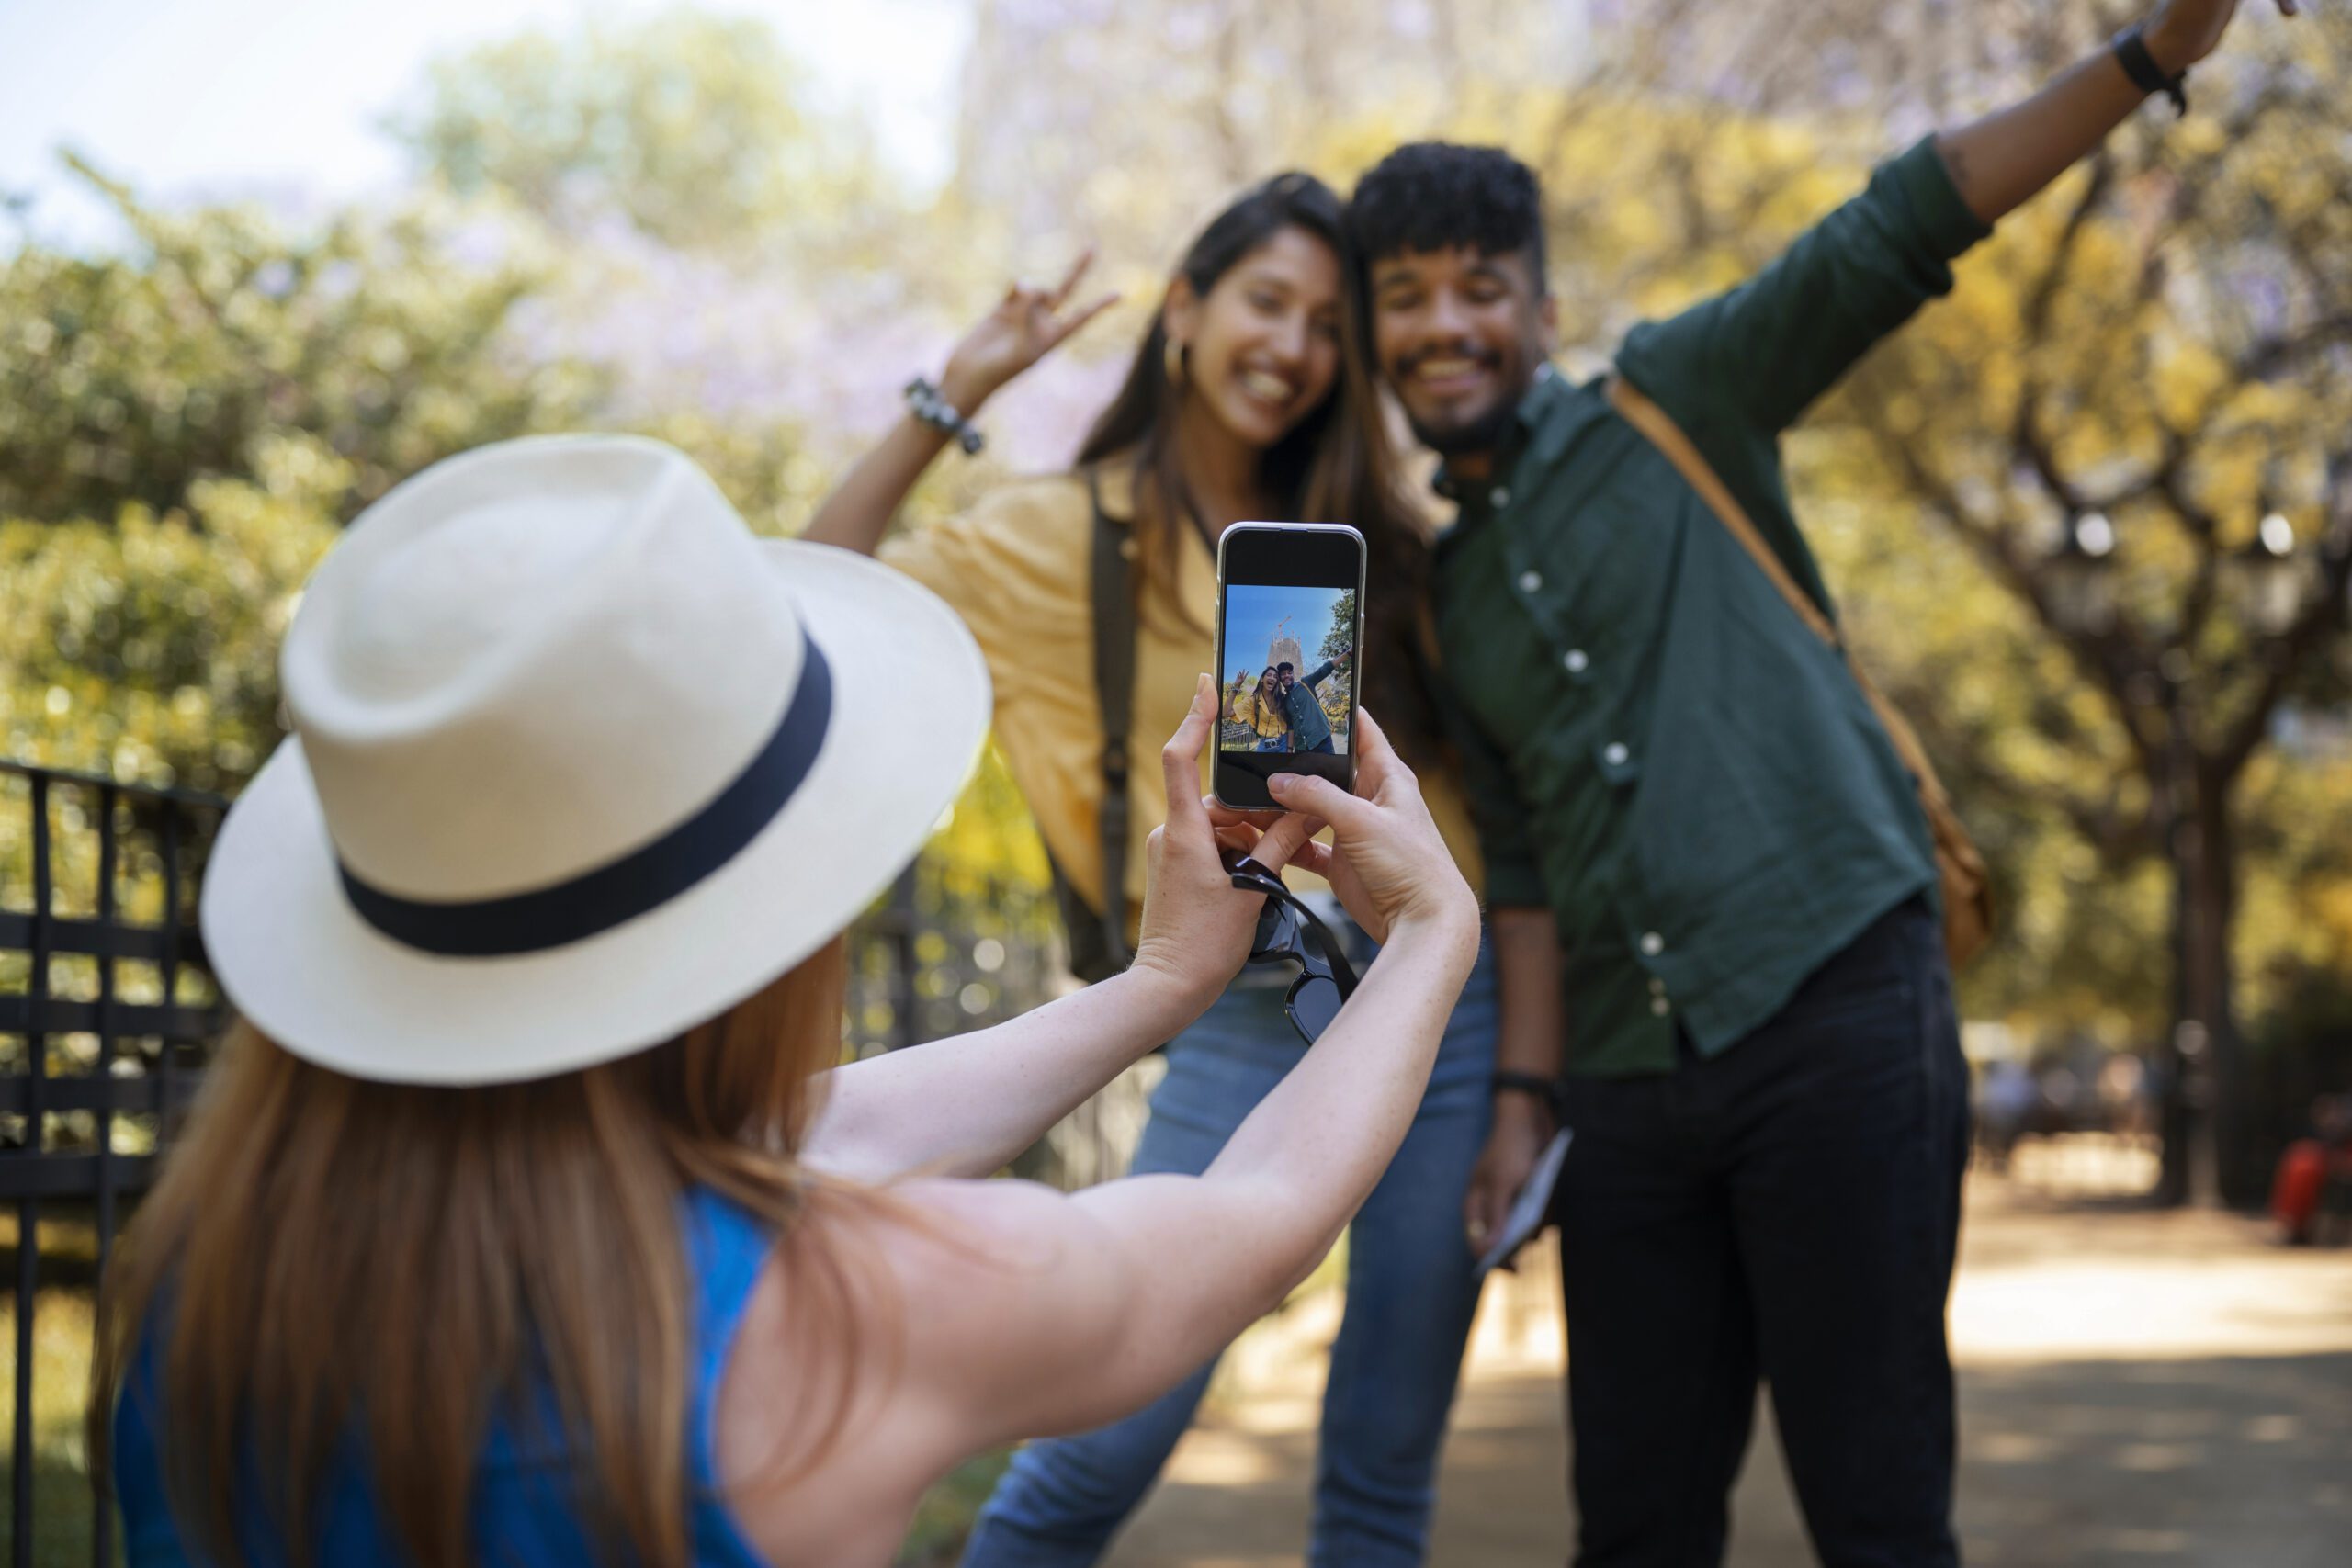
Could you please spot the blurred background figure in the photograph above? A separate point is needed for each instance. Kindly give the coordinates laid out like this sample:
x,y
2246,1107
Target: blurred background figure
x,y
2006,1100
2311,1195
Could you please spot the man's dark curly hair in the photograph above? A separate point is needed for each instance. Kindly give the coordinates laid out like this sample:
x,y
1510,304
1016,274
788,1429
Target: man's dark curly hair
x,y
1433,195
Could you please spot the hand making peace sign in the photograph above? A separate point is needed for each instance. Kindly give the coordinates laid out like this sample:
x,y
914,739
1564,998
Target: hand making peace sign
x,y
1027,326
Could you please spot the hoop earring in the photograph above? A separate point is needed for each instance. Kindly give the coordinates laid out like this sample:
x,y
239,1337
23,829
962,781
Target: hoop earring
x,y
1171,360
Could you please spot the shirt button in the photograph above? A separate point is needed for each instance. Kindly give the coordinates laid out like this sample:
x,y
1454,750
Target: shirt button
x,y
1529,581
1652,944
1661,1007
1657,987
1576,661
1614,754
1499,496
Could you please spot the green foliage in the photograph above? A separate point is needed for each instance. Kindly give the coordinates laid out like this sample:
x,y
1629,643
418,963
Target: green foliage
x,y
1342,633
687,124
130,379
145,649
184,427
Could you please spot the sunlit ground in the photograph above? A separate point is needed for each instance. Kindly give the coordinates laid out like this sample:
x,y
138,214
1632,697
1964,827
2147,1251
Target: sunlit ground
x,y
2138,1390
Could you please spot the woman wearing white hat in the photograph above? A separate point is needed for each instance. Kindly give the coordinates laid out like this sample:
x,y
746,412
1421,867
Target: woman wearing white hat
x,y
521,1221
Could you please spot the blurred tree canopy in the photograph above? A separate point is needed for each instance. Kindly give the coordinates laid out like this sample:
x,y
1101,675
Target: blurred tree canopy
x,y
689,125
129,377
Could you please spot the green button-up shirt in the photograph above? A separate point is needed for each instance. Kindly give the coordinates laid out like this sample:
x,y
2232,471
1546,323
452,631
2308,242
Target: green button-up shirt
x,y
1303,705
1656,745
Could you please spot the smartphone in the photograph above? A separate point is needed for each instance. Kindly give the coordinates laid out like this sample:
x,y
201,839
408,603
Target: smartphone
x,y
1289,636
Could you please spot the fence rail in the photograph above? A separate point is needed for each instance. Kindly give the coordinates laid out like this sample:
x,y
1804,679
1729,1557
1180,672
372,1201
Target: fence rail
x,y
108,1013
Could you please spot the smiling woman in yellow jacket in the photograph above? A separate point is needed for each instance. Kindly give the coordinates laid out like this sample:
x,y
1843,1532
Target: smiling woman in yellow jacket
x,y
1261,709
1247,398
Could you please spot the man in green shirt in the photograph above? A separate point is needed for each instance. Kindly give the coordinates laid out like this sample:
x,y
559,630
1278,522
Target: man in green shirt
x,y
1712,886
1310,728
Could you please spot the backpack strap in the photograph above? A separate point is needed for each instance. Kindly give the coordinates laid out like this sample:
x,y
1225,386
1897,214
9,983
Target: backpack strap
x,y
1966,887
1655,423
1113,572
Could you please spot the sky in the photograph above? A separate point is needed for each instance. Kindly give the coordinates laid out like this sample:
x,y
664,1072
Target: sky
x,y
1252,611
280,98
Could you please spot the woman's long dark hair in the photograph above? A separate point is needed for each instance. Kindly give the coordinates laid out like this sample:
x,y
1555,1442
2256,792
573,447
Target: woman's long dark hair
x,y
1336,465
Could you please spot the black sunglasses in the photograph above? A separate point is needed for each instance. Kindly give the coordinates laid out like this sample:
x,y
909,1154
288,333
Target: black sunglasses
x,y
1290,933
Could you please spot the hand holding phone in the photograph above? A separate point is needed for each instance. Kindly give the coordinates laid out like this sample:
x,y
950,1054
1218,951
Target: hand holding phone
x,y
1387,860
1197,926
1290,617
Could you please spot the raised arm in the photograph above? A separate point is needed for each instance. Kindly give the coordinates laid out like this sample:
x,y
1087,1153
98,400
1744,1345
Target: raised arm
x,y
1748,363
2000,161
1026,324
1077,1309
965,1106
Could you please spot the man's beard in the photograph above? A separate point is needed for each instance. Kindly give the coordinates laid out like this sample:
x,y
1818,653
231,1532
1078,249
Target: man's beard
x,y
1483,434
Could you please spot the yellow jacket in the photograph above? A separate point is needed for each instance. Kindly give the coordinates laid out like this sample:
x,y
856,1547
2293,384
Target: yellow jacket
x,y
1266,718
1015,567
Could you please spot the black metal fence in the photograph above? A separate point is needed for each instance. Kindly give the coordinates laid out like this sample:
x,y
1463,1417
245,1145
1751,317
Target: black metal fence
x,y
107,1013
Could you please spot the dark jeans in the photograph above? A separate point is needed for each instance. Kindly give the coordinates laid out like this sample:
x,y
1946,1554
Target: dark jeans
x,y
1787,1210
1323,746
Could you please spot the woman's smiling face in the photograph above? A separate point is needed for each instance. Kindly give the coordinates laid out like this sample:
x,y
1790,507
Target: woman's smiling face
x,y
1262,347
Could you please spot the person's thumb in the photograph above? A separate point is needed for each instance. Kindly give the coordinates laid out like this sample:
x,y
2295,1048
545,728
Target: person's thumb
x,y
1319,797
1477,1209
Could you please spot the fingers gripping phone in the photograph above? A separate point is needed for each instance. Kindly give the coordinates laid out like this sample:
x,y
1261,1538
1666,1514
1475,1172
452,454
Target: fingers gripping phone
x,y
1289,626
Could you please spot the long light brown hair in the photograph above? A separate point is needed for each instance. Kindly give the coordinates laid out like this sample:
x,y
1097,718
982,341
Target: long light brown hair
x,y
335,1259
1269,682
1336,465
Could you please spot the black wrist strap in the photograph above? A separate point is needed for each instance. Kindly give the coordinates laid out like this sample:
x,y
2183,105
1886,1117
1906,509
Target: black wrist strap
x,y
1544,1089
2132,53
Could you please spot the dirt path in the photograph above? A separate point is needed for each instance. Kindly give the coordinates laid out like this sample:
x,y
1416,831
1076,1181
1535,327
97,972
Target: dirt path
x,y
2138,1390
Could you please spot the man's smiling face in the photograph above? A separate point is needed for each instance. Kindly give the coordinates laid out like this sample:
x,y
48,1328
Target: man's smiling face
x,y
1459,334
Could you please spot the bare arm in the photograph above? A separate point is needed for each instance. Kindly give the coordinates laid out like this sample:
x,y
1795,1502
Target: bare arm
x,y
1527,976
968,1105
1090,1305
1026,325
2002,160
858,513
965,1106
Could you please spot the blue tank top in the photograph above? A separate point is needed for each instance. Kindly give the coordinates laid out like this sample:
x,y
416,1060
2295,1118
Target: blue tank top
x,y
524,1515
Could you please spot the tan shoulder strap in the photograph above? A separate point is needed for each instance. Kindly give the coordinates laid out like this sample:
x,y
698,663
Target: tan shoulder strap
x,y
1645,415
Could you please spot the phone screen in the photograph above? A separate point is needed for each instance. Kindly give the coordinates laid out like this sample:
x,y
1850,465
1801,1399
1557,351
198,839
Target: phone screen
x,y
1290,625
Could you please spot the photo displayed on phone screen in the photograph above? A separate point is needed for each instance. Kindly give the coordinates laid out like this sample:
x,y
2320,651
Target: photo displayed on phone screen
x,y
1289,623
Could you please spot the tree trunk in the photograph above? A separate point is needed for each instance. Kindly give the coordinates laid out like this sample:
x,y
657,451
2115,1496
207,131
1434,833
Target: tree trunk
x,y
2205,1142
2214,994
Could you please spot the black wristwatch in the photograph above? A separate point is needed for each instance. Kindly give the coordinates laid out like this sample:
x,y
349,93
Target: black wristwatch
x,y
2132,53
1545,1089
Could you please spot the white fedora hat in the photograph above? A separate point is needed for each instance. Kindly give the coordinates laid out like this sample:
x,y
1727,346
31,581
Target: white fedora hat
x,y
578,762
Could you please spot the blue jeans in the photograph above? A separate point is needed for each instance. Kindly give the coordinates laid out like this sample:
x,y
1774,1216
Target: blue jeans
x,y
1410,1296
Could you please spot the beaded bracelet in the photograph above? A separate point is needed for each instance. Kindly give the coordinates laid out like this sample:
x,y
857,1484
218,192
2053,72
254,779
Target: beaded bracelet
x,y
936,411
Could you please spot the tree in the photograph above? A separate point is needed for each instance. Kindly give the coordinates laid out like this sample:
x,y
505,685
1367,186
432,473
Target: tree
x,y
1341,634
2134,420
689,125
184,426
134,378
